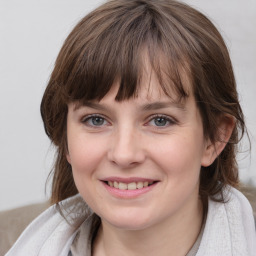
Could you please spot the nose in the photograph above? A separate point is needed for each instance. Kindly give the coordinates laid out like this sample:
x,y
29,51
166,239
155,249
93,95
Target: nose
x,y
126,148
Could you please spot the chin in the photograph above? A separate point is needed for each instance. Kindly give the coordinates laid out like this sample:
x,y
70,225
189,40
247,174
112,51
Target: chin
x,y
130,226
129,221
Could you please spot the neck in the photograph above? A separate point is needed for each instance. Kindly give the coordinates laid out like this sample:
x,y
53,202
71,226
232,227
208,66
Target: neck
x,y
174,235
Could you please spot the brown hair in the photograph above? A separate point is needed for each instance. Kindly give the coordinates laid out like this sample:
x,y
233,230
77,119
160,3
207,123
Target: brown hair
x,y
107,45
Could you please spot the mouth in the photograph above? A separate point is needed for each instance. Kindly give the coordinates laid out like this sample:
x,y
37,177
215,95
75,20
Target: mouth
x,y
129,186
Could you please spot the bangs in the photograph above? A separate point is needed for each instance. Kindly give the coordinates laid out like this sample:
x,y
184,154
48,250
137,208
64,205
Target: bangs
x,y
106,49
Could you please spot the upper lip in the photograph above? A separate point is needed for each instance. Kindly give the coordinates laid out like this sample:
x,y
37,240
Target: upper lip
x,y
129,179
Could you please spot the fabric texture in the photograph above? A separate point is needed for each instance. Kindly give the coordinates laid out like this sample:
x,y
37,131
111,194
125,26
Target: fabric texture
x,y
14,221
229,230
82,242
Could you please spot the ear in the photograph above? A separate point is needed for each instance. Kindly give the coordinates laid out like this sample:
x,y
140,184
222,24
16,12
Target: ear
x,y
67,154
68,157
213,149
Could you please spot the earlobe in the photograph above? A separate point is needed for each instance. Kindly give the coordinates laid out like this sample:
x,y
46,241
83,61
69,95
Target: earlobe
x,y
68,158
213,149
67,153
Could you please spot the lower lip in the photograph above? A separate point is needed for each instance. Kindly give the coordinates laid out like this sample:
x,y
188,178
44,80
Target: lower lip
x,y
126,193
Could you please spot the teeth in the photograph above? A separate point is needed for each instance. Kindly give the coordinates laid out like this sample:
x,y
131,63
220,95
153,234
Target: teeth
x,y
139,185
115,184
122,186
132,186
129,186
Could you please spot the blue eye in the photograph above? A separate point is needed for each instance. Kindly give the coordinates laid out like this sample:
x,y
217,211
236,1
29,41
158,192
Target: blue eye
x,y
95,121
161,121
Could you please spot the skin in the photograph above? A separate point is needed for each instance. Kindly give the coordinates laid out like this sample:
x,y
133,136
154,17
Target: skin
x,y
127,140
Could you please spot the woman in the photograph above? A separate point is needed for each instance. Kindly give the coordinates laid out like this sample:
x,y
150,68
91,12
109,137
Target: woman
x,y
143,109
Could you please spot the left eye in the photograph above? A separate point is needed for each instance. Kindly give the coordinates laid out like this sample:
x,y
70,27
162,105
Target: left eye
x,y
95,121
160,121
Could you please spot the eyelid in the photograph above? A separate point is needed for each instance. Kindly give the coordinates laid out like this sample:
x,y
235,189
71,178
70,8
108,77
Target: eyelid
x,y
172,120
85,118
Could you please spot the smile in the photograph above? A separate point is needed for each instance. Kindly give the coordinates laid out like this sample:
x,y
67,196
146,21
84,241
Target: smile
x,y
129,186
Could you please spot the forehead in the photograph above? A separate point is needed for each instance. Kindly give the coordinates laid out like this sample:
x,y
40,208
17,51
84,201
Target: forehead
x,y
149,88
146,100
150,94
159,79
155,82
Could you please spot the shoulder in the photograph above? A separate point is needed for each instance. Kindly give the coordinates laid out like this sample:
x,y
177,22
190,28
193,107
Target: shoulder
x,y
236,203
250,193
229,227
14,221
52,232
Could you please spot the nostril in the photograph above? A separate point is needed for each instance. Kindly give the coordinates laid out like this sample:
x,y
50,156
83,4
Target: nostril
x,y
126,153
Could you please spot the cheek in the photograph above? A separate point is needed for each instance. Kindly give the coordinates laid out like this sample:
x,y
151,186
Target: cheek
x,y
84,154
181,156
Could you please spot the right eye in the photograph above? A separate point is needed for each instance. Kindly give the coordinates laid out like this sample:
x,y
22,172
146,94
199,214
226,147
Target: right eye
x,y
95,121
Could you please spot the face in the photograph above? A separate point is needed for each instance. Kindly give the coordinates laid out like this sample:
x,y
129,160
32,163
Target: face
x,y
137,162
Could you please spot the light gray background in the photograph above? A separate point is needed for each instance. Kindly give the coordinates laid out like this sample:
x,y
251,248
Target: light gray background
x,y
31,34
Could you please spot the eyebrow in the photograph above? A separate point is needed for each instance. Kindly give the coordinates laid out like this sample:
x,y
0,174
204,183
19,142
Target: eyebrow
x,y
160,105
90,104
145,107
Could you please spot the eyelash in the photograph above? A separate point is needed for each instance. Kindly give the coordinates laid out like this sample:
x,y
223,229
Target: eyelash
x,y
169,120
86,119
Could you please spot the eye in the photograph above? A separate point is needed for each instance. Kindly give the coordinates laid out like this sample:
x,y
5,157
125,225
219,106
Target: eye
x,y
161,121
94,121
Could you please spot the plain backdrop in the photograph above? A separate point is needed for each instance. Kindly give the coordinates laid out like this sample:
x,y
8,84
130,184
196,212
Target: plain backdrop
x,y
31,34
